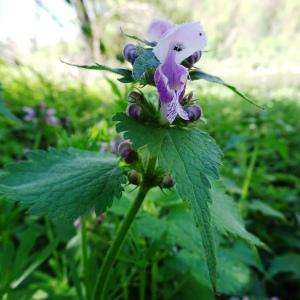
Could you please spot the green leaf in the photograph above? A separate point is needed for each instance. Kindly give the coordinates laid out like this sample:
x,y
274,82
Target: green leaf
x,y
125,73
151,44
145,62
65,184
193,158
4,111
265,209
198,74
226,215
288,263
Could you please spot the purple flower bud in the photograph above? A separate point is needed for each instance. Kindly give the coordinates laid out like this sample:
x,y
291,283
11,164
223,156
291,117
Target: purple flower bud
x,y
194,112
127,153
135,177
134,97
124,149
131,157
191,60
130,53
135,111
167,182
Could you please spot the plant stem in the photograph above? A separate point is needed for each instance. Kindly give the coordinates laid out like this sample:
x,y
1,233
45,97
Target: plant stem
x,y
247,181
142,283
84,256
154,271
103,275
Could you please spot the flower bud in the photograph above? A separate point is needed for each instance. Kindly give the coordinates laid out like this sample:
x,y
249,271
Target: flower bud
x,y
124,149
134,97
131,157
130,53
194,112
134,177
127,153
191,60
167,182
135,111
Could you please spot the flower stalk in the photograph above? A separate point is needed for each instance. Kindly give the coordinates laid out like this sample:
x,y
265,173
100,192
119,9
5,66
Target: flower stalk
x,y
115,248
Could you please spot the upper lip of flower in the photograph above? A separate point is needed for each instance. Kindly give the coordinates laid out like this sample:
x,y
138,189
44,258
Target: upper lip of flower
x,y
188,37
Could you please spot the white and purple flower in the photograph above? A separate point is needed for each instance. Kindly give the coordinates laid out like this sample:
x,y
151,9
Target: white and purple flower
x,y
175,43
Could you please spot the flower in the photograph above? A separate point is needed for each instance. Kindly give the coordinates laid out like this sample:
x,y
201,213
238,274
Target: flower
x,y
170,79
157,29
30,114
175,43
50,117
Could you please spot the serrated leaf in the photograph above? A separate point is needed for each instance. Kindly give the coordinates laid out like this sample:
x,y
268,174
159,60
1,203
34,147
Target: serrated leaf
x,y
64,184
198,74
226,216
193,158
145,61
125,73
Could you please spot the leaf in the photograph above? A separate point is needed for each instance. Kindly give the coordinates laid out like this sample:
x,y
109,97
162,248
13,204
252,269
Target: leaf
x,y
125,73
64,184
266,209
151,44
39,259
226,215
198,74
287,263
145,61
4,111
193,158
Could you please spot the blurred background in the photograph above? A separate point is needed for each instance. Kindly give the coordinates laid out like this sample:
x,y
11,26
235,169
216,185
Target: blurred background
x,y
253,44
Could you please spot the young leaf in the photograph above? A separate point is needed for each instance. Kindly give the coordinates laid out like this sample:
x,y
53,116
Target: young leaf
x,y
145,61
198,74
125,73
64,184
193,158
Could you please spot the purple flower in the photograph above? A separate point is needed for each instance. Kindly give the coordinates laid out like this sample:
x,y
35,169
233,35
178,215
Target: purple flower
x,y
176,43
29,113
50,117
170,79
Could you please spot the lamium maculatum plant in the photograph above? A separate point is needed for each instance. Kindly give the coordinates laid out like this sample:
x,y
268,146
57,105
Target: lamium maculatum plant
x,y
163,147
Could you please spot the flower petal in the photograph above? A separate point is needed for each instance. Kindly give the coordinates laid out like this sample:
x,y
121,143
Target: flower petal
x,y
188,38
157,29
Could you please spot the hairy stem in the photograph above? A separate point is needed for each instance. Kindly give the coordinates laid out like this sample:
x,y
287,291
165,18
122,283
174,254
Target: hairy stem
x,y
103,275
